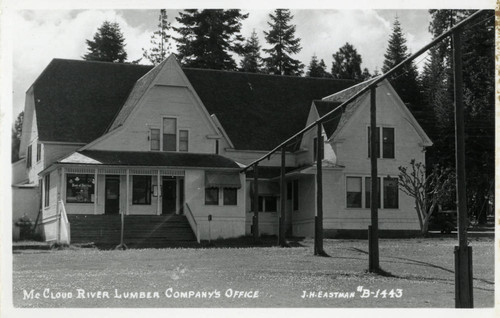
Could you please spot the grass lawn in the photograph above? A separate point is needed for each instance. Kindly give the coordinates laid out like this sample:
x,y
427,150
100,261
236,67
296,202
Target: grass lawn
x,y
422,275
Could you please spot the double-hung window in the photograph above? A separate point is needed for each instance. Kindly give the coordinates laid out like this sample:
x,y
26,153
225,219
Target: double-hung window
x,y
155,139
388,146
169,134
28,157
358,192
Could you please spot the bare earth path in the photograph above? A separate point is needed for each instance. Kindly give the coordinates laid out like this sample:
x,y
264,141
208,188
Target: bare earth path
x,y
422,275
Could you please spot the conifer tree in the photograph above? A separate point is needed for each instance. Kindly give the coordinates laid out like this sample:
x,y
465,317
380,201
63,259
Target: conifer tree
x,y
209,37
405,82
347,63
159,40
251,61
108,44
317,68
281,38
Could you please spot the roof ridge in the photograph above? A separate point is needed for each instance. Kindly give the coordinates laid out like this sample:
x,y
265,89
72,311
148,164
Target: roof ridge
x,y
101,62
275,75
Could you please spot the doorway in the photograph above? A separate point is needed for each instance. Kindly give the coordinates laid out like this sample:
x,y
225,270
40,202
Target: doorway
x,y
169,195
112,198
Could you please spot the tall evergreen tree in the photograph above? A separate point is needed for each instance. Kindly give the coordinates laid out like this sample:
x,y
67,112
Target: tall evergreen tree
x,y
317,68
405,82
478,43
281,38
159,40
108,44
251,61
347,63
16,137
209,37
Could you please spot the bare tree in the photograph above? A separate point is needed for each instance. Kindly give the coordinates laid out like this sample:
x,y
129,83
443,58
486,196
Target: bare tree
x,y
427,188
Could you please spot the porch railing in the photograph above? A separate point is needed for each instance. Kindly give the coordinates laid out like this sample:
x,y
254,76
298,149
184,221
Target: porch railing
x,y
192,222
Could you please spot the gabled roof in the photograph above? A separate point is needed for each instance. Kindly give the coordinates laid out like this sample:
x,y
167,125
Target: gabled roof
x,y
344,114
324,107
259,111
149,158
77,101
135,95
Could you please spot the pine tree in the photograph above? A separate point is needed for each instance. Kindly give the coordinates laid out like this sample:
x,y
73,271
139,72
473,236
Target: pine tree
x,y
209,37
108,44
405,82
366,74
16,137
347,63
317,68
283,43
478,43
251,61
159,40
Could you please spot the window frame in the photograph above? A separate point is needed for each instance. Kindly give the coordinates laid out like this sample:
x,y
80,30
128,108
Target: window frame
x,y
29,156
365,204
38,152
87,176
360,192
224,196
207,202
163,133
263,206
151,139
46,188
393,144
385,192
187,140
146,189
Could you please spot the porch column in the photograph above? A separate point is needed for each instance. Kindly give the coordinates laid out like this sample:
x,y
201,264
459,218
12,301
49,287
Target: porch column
x,y
63,184
281,229
127,195
158,192
96,193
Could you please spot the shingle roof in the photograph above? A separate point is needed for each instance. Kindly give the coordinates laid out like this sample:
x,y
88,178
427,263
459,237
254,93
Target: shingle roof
x,y
76,101
151,159
260,111
324,107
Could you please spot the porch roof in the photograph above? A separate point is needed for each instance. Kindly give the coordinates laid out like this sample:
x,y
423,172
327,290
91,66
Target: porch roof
x,y
149,159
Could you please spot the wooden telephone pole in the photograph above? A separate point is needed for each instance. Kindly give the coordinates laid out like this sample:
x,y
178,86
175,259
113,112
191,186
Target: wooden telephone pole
x,y
463,252
373,255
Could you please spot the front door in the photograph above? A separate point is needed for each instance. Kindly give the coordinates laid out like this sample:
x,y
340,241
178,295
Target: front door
x,y
112,201
169,195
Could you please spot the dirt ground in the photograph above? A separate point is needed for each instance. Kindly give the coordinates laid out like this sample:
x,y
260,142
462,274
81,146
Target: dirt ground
x,y
420,274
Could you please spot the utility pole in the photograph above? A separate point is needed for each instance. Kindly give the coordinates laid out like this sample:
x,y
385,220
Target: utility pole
x,y
318,233
256,202
463,252
373,255
281,229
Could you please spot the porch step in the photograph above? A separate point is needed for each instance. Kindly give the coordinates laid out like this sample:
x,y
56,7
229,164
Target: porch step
x,y
139,230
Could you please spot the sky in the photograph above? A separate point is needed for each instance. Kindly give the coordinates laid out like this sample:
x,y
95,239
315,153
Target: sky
x,y
42,35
